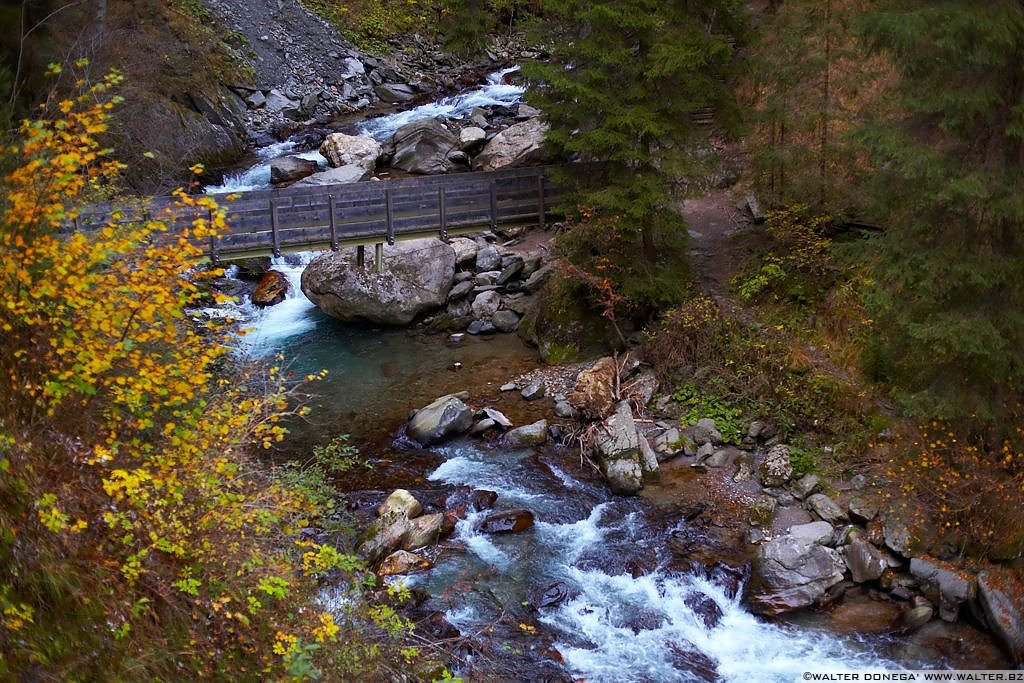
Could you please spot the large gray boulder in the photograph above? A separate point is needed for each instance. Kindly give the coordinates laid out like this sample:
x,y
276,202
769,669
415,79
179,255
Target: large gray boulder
x,y
793,573
424,147
944,585
443,419
618,451
352,173
344,150
866,562
416,278
518,145
1003,602
395,92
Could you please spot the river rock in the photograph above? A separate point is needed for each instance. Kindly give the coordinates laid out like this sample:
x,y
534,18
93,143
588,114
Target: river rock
x,y
278,102
826,508
806,485
498,417
537,280
342,175
488,258
862,510
461,290
344,150
534,392
400,503
401,562
529,435
505,321
482,426
518,145
593,394
794,574
383,537
288,169
506,522
776,469
866,562
271,290
486,304
944,585
423,531
1002,598
395,92
706,432
471,138
417,278
424,147
465,250
443,419
821,533
618,450
648,459
510,271
550,595
481,327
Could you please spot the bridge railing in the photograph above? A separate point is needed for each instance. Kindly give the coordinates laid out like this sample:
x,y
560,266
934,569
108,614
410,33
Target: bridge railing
x,y
302,218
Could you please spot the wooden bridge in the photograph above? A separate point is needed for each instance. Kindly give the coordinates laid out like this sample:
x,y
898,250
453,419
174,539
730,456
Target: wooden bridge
x,y
271,222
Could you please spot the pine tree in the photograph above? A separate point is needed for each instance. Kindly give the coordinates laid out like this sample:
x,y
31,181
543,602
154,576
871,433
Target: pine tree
x,y
808,80
619,87
949,185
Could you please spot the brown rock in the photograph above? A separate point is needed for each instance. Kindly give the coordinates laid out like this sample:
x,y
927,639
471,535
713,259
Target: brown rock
x,y
506,522
401,562
271,290
594,393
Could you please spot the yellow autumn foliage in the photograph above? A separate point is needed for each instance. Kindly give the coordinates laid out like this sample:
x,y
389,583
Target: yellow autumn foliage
x,y
138,539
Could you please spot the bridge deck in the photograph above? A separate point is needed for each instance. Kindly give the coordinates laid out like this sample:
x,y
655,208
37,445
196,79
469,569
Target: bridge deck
x,y
305,218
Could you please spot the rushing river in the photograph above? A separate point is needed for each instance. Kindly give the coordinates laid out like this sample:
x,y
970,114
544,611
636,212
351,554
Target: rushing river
x,y
597,589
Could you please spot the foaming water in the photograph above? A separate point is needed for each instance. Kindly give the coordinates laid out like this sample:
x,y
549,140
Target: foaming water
x,y
257,176
269,328
460,106
381,128
661,625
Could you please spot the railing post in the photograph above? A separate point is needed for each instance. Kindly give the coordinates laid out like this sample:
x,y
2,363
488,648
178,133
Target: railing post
x,y
360,256
390,218
494,206
273,228
214,256
442,209
334,223
378,258
540,201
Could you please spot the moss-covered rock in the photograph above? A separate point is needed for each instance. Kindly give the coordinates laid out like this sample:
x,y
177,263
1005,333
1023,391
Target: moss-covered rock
x,y
564,327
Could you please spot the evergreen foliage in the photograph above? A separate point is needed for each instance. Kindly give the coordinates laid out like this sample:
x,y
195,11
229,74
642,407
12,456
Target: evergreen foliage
x,y
618,88
949,184
807,82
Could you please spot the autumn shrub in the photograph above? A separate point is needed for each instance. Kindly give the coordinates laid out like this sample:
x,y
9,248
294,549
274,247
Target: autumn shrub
x,y
714,359
960,495
139,538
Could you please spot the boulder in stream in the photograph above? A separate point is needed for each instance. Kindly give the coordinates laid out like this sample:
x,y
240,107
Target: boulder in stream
x,y
342,150
518,145
443,419
793,573
506,522
424,147
417,278
288,169
271,290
